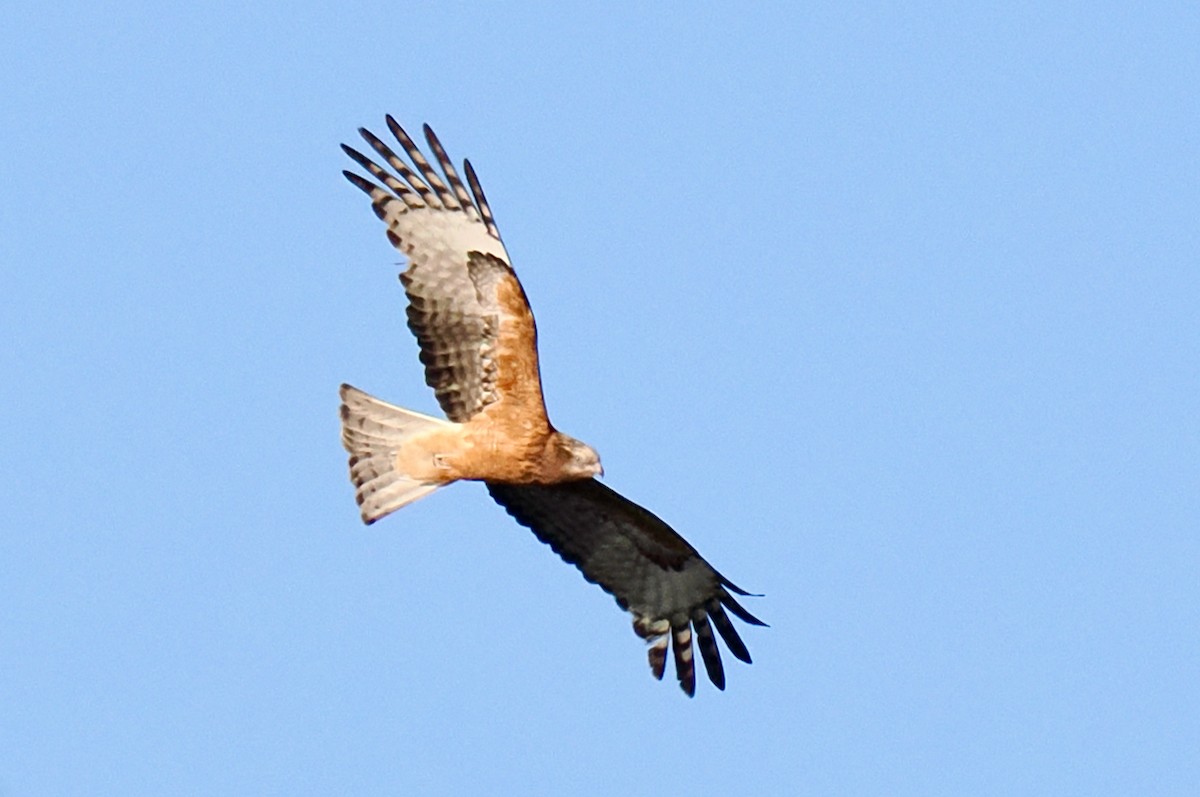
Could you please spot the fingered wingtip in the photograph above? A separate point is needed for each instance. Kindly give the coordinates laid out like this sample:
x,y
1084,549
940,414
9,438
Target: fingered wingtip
x,y
360,182
399,132
734,588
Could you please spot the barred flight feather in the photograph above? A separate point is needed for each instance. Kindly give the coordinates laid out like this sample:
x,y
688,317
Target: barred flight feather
x,y
445,197
440,227
457,268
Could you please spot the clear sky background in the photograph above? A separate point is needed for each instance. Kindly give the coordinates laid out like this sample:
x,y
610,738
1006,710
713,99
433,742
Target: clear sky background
x,y
894,314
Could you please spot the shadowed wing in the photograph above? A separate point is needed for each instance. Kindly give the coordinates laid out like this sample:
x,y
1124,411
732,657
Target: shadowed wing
x,y
466,306
642,562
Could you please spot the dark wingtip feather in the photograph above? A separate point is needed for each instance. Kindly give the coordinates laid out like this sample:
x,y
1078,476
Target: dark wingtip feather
x,y
361,183
738,590
359,158
709,650
685,665
371,139
734,642
648,630
740,612
399,132
658,658
481,202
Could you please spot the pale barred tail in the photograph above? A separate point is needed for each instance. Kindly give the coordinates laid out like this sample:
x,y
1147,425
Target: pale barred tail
x,y
373,432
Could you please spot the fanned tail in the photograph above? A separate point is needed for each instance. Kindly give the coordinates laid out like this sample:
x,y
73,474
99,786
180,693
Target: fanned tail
x,y
373,432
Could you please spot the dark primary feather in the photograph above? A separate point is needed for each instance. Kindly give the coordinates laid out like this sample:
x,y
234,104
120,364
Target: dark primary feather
x,y
643,563
460,191
481,201
708,649
446,199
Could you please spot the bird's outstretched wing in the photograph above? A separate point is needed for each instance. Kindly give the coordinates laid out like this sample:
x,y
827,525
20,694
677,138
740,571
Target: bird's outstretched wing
x,y
641,561
470,315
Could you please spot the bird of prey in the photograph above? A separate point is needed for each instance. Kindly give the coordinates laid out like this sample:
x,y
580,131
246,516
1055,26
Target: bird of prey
x,y
478,343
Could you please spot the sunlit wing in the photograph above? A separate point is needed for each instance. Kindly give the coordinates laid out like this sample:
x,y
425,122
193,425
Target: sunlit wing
x,y
466,307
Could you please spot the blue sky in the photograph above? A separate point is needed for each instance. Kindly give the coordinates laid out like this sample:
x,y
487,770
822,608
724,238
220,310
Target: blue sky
x,y
891,312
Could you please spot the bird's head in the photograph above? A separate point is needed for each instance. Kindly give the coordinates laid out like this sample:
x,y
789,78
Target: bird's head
x,y
579,460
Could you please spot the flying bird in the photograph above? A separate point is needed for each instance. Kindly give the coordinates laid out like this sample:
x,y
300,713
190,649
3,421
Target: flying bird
x,y
478,343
